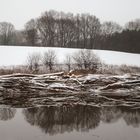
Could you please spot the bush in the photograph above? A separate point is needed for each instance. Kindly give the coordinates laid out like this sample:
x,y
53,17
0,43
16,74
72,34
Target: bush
x,y
86,59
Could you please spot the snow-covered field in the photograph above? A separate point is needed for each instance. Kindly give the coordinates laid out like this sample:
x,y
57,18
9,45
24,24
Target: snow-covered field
x,y
17,55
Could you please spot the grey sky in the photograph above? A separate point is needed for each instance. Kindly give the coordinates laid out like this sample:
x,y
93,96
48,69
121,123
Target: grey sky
x,y
19,12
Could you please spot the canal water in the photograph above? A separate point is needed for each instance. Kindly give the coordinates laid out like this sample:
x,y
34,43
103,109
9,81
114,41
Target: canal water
x,y
70,122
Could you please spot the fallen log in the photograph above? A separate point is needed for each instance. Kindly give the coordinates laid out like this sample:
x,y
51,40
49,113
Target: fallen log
x,y
18,75
118,85
50,74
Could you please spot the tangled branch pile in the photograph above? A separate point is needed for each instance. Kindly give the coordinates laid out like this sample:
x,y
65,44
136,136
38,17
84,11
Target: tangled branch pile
x,y
59,88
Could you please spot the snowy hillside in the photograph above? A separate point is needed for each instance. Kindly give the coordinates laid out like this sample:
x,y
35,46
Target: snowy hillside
x,y
17,55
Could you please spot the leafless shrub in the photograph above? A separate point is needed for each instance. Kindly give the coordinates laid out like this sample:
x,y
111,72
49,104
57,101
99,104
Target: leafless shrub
x,y
33,62
49,59
68,61
116,69
86,59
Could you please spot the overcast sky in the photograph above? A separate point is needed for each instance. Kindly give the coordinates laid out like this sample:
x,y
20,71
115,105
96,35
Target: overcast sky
x,y
18,12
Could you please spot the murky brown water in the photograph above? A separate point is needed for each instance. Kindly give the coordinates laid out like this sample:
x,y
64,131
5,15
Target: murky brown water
x,y
78,122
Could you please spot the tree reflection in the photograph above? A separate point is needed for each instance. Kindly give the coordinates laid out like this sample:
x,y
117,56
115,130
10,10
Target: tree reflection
x,y
131,116
7,113
54,119
67,118
110,114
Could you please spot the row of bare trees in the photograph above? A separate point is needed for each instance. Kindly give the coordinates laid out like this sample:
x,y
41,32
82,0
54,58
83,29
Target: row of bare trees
x,y
58,29
82,59
35,61
64,30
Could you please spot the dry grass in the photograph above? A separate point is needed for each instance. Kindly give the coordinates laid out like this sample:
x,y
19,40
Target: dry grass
x,y
103,69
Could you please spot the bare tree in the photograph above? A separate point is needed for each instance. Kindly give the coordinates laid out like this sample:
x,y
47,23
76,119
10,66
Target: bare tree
x,y
133,25
77,30
20,38
77,57
94,25
47,29
33,62
31,32
84,29
66,29
7,31
68,61
109,28
49,59
86,59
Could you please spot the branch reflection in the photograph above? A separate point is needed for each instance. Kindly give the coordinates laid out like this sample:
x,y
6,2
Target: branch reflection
x,y
54,119
7,113
67,118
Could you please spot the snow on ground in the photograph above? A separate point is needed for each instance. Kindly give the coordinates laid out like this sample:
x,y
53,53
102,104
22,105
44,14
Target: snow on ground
x,y
17,55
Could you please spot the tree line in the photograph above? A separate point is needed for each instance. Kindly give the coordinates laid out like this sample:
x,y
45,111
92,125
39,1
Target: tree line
x,y
80,60
58,29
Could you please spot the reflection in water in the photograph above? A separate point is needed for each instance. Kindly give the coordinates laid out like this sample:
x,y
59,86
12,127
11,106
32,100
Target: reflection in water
x,y
110,114
54,119
7,113
67,118
62,119
131,116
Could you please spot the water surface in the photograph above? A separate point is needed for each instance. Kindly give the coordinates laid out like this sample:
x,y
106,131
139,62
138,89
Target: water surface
x,y
67,122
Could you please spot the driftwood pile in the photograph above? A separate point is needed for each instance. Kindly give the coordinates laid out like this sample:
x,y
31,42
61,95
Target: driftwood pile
x,y
25,90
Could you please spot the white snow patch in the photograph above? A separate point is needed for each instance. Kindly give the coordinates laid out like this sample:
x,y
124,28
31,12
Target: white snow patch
x,y
17,55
